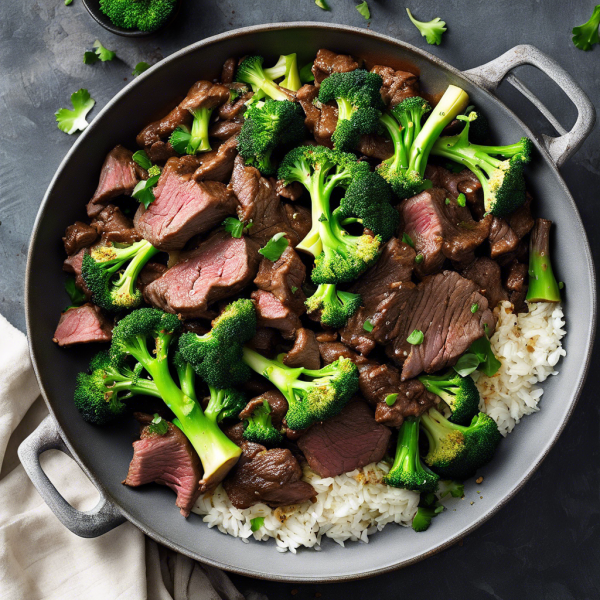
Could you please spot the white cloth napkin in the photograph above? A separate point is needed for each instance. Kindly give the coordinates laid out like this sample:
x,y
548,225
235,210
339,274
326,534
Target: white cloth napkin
x,y
39,557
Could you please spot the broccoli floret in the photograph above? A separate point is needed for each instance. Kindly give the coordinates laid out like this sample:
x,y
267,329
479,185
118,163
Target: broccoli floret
x,y
286,67
422,519
340,257
259,427
112,288
251,71
455,451
224,404
145,336
543,286
432,30
459,393
312,395
408,471
186,141
217,355
359,101
269,125
335,305
586,36
99,395
145,15
502,180
413,141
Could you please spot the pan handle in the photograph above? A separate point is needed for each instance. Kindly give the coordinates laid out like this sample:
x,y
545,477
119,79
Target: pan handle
x,y
88,524
491,74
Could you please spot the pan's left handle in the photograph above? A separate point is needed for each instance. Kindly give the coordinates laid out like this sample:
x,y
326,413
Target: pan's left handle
x,y
491,74
88,524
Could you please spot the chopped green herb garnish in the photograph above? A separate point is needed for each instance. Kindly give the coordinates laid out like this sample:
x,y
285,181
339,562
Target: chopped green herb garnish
x,y
140,68
466,364
447,201
67,2
75,294
368,326
455,167
236,227
99,53
461,200
419,258
586,35
363,9
432,30
306,74
143,192
275,247
142,159
415,338
294,289
322,4
158,425
74,120
561,285
257,523
408,240
474,307
390,399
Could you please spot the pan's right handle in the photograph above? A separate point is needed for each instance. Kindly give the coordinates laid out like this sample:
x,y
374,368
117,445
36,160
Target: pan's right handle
x,y
89,524
491,74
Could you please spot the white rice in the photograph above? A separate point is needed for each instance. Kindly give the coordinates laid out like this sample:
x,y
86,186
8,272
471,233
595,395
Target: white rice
x,y
529,346
355,505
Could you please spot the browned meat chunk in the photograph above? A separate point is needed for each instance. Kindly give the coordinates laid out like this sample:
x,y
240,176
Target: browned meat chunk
x,y
223,130
397,85
322,121
375,146
260,203
305,352
271,312
264,341
235,432
217,165
269,476
153,133
119,175
328,62
219,268
277,402
228,70
151,272
160,151
233,111
205,94
517,283
441,308
114,227
77,236
82,325
284,279
167,459
486,274
502,238
292,192
441,229
465,182
375,288
345,442
183,208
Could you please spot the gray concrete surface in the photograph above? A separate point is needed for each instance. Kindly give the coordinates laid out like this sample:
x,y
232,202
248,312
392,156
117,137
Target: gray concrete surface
x,y
545,544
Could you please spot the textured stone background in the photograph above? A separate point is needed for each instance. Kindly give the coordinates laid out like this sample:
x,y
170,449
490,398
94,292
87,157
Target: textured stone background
x,y
545,544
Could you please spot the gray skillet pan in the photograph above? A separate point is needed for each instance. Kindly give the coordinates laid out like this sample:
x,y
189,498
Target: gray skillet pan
x,y
104,454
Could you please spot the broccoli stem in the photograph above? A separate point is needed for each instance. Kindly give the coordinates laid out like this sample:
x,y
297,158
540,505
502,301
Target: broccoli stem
x,y
259,80
199,134
127,280
400,157
345,109
272,370
543,286
408,439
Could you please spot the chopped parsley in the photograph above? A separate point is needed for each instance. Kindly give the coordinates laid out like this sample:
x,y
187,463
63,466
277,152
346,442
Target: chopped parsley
x,y
158,425
322,4
447,201
275,247
235,227
415,338
419,258
368,326
142,159
432,30
474,307
140,68
408,240
390,399
74,120
143,192
461,200
98,53
75,294
257,523
294,289
363,9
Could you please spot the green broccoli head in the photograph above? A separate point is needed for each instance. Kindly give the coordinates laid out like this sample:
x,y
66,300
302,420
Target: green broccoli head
x,y
111,274
259,427
145,15
216,356
459,393
99,395
251,71
408,471
269,125
336,306
312,395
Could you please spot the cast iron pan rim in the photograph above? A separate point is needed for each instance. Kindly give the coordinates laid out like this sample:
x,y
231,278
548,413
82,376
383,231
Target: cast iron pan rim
x,y
451,539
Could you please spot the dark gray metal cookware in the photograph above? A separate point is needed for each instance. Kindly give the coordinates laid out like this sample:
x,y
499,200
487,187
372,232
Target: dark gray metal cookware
x,y
104,454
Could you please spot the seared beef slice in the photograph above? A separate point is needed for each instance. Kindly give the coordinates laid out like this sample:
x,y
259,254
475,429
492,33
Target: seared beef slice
x,y
269,476
183,208
167,459
486,274
220,267
345,442
81,325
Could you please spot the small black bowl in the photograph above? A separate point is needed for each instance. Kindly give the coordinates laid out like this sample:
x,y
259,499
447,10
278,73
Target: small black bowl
x,y
93,7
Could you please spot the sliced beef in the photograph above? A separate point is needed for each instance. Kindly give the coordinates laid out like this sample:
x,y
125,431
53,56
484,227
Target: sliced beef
x,y
234,110
376,146
305,352
205,94
521,221
503,239
218,268
264,341
397,85
377,381
163,128
292,192
328,62
271,312
217,165
375,288
183,207
228,70
320,120
277,403
77,236
82,325
260,203
464,182
284,279
73,265
114,227
345,442
119,175
167,459
439,307
160,152
487,275
269,476
517,283
441,229
223,130
151,272
235,432
299,219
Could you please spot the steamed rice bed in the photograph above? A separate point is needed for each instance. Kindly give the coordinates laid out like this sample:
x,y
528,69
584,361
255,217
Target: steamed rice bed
x,y
352,506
